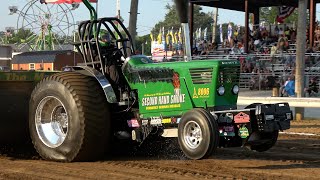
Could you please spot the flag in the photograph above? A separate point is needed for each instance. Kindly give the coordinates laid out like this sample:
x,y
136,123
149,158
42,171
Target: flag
x,y
176,37
284,12
229,30
205,34
151,36
172,36
159,39
221,33
180,36
163,35
168,37
199,33
65,1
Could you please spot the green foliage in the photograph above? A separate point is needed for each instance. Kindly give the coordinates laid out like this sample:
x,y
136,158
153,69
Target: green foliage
x,y
293,18
19,36
269,14
201,19
146,41
171,20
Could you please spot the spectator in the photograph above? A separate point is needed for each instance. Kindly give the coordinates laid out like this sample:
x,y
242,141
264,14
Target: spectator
x,y
200,48
270,82
276,31
287,32
204,48
292,35
282,44
253,83
281,32
313,89
288,88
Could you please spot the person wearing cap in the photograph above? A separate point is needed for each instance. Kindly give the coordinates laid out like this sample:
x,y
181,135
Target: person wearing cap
x,y
313,89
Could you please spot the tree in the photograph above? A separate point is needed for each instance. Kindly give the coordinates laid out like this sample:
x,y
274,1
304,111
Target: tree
x,y
269,14
201,19
171,20
18,36
146,41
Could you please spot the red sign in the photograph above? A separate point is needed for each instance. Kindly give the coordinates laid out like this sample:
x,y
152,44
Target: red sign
x,y
241,118
65,1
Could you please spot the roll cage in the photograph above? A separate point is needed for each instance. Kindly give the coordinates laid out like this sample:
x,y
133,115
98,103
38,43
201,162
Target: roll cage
x,y
91,48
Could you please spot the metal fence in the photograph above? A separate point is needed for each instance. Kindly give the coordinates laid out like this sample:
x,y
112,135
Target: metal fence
x,y
266,81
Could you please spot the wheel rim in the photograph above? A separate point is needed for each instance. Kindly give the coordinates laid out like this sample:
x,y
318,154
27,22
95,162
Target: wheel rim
x,y
192,134
51,121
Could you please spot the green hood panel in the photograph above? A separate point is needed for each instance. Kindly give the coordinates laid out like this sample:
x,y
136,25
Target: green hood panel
x,y
178,86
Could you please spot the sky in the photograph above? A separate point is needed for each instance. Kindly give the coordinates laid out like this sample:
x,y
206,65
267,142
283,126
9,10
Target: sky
x,y
150,12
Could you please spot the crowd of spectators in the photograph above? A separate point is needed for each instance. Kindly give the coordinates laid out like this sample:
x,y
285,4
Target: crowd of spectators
x,y
267,48
279,47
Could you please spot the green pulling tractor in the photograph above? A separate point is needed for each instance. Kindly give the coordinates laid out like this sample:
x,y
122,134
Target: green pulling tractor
x,y
114,96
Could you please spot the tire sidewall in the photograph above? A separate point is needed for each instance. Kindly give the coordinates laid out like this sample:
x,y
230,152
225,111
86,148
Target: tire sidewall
x,y
73,138
206,129
272,140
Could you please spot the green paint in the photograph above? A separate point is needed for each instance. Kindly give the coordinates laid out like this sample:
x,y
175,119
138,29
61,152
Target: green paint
x,y
93,12
170,89
24,75
167,89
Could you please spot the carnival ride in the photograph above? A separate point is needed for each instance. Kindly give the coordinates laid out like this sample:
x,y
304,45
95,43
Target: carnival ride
x,y
44,26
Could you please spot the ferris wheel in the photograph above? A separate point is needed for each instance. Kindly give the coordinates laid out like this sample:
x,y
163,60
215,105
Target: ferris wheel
x,y
44,26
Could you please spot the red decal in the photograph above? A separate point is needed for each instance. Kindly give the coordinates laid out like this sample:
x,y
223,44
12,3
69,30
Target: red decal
x,y
133,123
241,118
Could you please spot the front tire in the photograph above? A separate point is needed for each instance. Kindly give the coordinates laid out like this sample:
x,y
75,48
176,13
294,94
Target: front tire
x,y
69,118
198,135
270,140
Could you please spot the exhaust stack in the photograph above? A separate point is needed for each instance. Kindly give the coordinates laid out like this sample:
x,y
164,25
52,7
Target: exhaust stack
x,y
182,8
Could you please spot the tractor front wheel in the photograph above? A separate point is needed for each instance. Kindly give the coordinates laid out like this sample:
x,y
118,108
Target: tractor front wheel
x,y
198,135
269,139
69,118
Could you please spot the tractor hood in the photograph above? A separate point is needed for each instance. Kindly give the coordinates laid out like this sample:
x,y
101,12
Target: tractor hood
x,y
182,85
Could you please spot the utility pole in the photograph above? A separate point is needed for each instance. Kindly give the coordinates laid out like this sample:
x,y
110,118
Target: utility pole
x,y
97,6
300,61
118,9
142,47
133,20
214,28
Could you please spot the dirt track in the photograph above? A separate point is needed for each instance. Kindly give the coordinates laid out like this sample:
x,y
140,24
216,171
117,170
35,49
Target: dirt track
x,y
294,157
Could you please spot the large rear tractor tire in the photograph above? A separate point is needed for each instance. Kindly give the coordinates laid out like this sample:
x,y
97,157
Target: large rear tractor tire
x,y
69,118
198,135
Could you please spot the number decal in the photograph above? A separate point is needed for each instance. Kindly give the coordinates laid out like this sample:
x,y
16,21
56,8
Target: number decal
x,y
201,92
